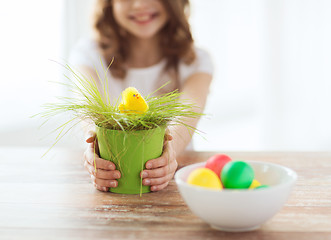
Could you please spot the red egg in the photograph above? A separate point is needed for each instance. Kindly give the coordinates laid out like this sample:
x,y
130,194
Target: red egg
x,y
217,162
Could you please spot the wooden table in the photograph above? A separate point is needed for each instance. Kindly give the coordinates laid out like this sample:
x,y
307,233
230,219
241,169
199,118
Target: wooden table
x,y
52,198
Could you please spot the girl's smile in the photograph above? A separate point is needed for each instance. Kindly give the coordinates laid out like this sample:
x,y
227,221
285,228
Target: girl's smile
x,y
141,18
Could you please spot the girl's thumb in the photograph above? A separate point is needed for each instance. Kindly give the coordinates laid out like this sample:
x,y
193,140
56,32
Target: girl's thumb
x,y
90,136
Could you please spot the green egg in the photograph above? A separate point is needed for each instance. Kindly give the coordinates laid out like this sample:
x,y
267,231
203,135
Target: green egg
x,y
237,174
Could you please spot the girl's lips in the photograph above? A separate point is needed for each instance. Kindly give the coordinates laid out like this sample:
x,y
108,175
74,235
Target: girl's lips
x,y
143,18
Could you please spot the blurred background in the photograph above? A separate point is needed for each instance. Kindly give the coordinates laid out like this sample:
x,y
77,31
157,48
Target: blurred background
x,y
271,89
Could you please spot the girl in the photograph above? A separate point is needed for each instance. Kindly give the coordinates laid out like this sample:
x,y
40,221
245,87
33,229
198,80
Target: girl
x,y
151,43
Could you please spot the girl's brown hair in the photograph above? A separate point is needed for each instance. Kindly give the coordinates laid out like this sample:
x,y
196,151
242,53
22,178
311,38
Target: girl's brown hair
x,y
176,43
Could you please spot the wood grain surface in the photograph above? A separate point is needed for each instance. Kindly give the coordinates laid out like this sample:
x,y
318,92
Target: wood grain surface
x,y
53,198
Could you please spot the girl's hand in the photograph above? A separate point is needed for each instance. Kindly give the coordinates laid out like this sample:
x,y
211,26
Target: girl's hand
x,y
161,170
103,173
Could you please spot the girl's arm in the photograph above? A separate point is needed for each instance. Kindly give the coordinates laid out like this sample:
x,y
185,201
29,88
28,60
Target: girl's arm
x,y
196,90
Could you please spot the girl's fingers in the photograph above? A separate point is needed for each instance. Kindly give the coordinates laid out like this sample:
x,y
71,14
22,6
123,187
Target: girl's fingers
x,y
104,183
159,162
103,189
94,147
168,137
157,181
99,163
159,187
162,171
167,154
90,136
102,174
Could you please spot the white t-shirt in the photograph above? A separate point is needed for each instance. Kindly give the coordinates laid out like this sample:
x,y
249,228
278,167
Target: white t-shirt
x,y
86,53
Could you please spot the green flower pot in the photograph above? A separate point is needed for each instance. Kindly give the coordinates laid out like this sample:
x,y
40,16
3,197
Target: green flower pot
x,y
129,151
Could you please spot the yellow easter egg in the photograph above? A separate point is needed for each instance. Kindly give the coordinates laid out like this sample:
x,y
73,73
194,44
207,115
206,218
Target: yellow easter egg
x,y
255,184
204,177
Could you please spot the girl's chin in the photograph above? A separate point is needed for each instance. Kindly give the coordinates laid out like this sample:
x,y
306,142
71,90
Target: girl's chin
x,y
146,31
144,35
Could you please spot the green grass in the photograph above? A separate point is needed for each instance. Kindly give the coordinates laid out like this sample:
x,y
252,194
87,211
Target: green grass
x,y
90,103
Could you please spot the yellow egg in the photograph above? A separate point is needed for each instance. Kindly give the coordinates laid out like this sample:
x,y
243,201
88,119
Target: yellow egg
x,y
204,177
255,184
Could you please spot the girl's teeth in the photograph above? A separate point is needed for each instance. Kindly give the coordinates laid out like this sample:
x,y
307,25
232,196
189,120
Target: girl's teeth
x,y
143,18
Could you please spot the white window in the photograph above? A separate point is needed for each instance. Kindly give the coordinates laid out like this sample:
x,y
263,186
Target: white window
x,y
31,36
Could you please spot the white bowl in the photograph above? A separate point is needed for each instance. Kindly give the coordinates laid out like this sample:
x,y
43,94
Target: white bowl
x,y
239,210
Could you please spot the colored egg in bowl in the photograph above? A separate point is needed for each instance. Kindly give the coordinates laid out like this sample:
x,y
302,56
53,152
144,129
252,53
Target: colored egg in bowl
x,y
238,210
